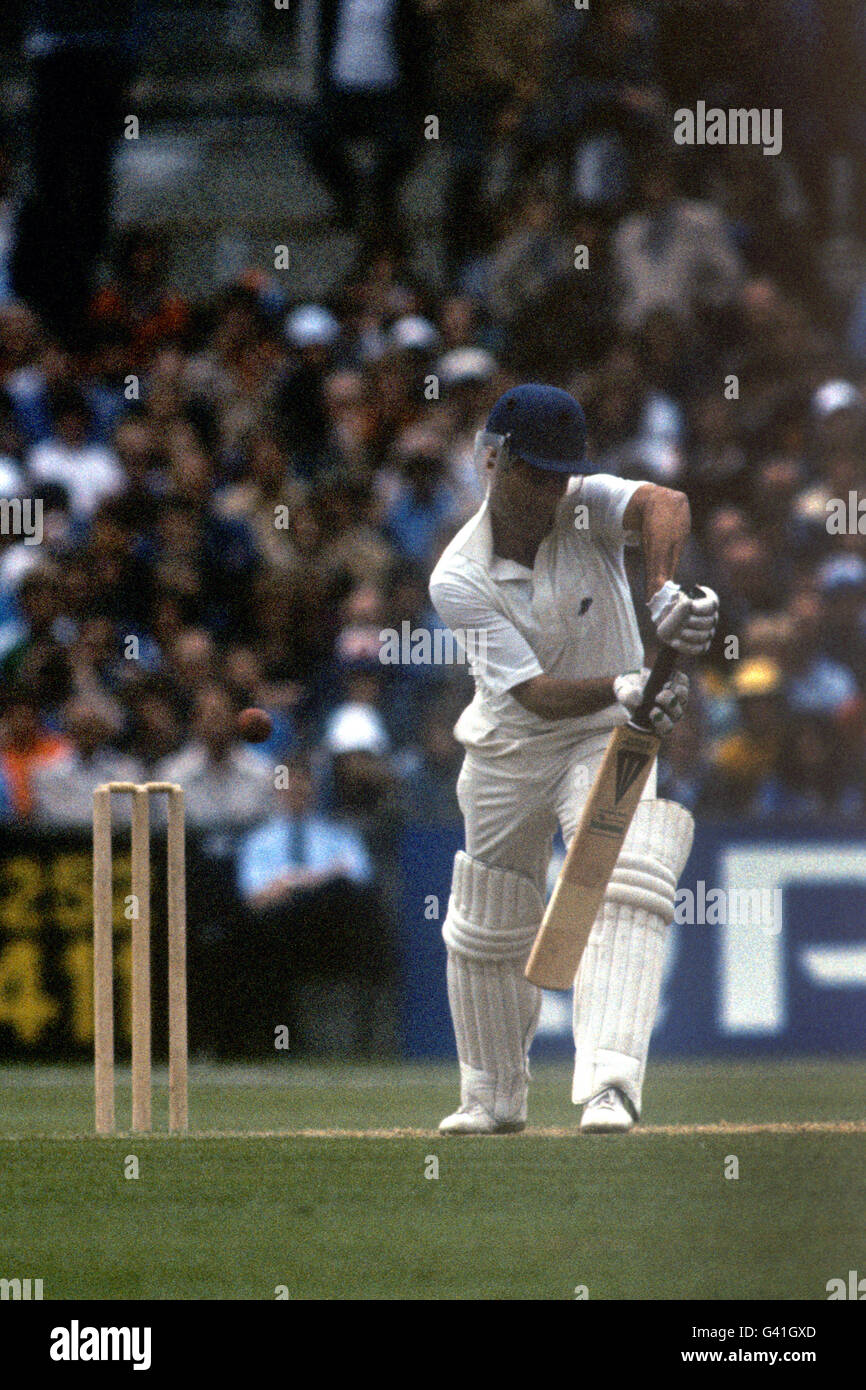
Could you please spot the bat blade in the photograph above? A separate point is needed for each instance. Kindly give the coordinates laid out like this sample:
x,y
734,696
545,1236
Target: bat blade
x,y
591,857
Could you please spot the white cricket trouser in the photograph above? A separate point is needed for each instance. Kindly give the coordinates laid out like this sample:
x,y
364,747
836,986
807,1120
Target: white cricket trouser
x,y
512,802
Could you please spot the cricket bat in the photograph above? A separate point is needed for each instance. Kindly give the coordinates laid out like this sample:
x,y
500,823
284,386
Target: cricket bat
x,y
594,850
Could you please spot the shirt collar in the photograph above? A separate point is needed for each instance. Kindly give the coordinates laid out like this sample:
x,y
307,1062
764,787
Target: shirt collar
x,y
479,546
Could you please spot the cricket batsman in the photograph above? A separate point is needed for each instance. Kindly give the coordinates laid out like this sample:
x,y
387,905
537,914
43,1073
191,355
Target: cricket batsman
x,y
534,586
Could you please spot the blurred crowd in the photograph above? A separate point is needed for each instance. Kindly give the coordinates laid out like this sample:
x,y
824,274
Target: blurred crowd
x,y
239,494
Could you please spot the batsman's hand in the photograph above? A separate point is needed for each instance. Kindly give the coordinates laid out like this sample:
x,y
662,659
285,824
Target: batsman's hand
x,y
688,624
670,703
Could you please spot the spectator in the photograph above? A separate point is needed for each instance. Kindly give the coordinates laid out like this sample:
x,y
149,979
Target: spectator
x,y
810,782
373,71
433,774
32,644
26,746
353,549
312,333
717,465
351,418
564,321
608,96
192,661
366,791
223,385
81,54
356,726
298,850
227,787
264,500
528,257
491,78
154,718
746,758
674,253
89,472
422,501
816,685
309,880
294,625
63,788
135,306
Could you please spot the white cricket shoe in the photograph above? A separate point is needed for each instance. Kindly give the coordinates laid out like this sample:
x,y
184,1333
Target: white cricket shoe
x,y
474,1119
607,1113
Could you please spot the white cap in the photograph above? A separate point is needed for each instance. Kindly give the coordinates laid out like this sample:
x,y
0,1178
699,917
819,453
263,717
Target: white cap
x,y
12,482
412,333
465,365
355,728
835,395
311,325
16,564
842,572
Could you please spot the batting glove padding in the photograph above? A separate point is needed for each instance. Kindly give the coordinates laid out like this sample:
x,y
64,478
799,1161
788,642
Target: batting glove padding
x,y
685,623
670,703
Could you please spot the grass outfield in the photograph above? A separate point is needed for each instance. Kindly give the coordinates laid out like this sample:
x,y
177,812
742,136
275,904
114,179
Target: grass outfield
x,y
247,1203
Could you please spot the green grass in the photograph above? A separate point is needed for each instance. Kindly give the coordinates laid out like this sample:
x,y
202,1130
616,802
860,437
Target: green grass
x,y
648,1215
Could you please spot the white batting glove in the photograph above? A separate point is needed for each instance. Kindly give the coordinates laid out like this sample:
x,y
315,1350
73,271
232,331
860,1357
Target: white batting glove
x,y
670,703
686,623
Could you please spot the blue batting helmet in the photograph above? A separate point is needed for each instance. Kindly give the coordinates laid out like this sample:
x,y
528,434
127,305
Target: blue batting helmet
x,y
544,425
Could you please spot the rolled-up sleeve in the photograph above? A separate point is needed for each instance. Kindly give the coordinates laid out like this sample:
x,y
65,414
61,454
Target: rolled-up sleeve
x,y
606,499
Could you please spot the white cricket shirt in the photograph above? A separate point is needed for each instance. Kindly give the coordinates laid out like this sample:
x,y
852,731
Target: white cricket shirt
x,y
571,615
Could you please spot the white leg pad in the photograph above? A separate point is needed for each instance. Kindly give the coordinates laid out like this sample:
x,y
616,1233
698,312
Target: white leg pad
x,y
617,989
493,916
495,1013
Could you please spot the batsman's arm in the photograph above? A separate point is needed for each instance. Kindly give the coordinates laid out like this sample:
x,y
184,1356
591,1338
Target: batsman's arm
x,y
552,697
662,517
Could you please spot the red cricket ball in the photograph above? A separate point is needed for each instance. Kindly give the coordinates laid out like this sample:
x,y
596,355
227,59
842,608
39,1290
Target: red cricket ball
x,y
255,725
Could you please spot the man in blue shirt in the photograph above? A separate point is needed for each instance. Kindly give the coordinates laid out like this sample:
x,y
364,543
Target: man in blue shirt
x,y
318,942
297,850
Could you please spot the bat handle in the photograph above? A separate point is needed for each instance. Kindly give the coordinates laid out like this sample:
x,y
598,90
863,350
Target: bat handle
x,y
662,670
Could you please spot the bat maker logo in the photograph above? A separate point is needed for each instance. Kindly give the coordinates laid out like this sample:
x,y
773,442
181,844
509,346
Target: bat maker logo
x,y
629,766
